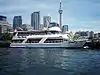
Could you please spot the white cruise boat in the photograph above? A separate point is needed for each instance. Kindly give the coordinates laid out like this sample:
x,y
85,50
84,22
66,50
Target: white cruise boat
x,y
45,39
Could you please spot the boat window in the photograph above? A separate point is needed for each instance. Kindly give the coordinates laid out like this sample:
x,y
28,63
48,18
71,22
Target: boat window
x,y
17,41
36,33
33,40
53,40
14,33
32,33
72,42
65,40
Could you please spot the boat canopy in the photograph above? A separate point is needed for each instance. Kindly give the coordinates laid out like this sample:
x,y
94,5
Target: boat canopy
x,y
55,29
44,32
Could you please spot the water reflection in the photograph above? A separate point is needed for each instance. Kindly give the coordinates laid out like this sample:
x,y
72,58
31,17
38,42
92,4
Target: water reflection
x,y
41,56
53,61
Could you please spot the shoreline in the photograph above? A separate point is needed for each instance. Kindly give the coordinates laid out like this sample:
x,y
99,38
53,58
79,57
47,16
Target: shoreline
x,y
4,44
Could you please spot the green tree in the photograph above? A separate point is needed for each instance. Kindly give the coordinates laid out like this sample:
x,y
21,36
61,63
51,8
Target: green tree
x,y
5,37
75,37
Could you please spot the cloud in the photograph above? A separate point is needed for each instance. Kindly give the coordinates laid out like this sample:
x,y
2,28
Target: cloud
x,y
25,8
76,13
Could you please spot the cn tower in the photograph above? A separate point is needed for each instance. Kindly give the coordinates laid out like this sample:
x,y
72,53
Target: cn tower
x,y
60,14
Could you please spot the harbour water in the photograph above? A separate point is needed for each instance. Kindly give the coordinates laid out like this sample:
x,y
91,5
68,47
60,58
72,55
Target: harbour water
x,y
29,61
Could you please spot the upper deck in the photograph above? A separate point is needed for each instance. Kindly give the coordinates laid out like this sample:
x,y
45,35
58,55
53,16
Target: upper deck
x,y
27,33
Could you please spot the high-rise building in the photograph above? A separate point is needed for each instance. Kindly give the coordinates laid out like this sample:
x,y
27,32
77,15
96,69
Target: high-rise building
x,y
46,21
4,25
35,20
17,21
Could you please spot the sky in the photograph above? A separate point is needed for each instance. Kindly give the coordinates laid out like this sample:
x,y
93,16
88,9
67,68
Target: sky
x,y
78,14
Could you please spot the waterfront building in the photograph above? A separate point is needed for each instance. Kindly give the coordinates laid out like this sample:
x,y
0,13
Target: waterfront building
x,y
17,21
83,34
91,34
46,21
26,27
35,20
64,28
97,35
4,25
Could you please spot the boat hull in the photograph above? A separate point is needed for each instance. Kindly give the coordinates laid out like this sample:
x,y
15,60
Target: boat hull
x,y
47,45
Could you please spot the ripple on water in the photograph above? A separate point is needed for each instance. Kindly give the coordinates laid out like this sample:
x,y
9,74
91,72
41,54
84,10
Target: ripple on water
x,y
22,61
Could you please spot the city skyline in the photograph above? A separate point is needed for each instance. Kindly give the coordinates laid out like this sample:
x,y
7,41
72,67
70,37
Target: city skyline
x,y
83,14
